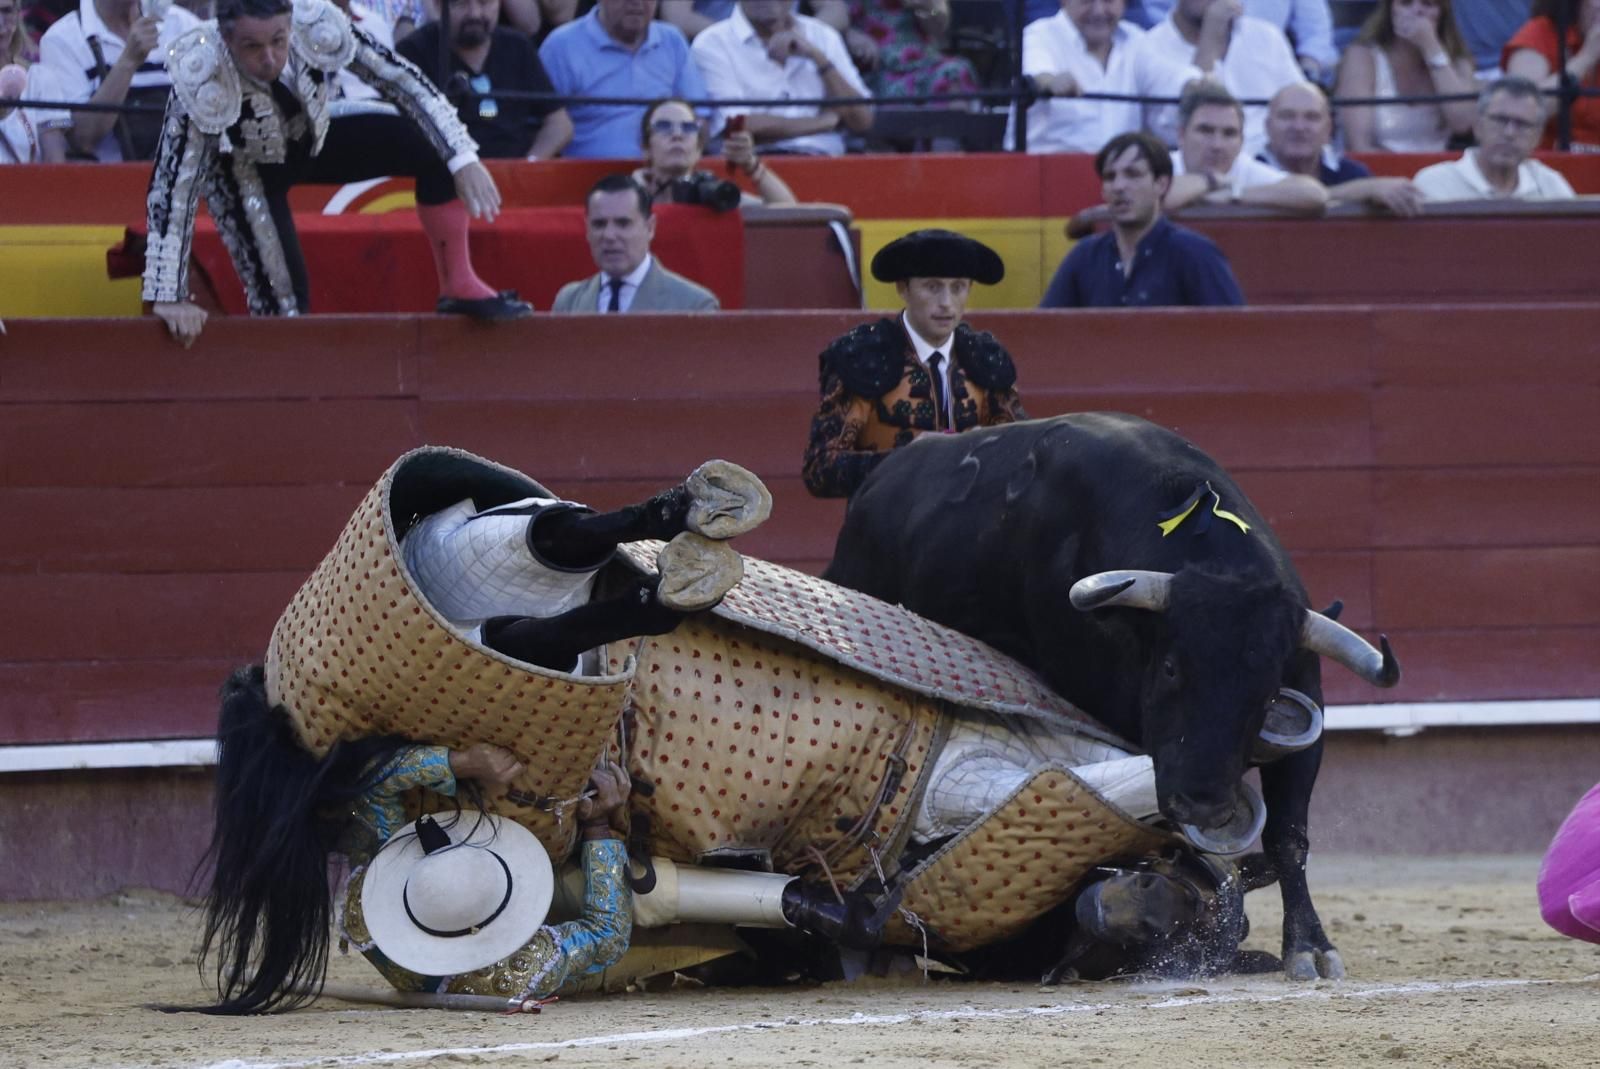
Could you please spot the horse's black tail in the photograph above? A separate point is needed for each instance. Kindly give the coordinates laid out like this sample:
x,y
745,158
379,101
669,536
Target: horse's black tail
x,y
268,911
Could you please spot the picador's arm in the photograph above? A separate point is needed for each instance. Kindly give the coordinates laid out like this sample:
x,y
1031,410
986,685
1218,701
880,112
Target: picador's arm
x,y
407,88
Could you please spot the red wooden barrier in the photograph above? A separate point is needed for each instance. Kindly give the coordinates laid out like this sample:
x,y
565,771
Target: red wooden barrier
x,y
1431,466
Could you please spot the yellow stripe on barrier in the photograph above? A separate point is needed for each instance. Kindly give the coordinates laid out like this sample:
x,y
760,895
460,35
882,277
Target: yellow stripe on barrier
x,y
60,271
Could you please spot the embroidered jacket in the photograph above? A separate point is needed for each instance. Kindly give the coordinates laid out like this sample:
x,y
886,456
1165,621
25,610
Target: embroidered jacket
x,y
220,126
876,396
557,953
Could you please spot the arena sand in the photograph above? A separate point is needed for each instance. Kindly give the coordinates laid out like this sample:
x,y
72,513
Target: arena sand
x,y
1449,966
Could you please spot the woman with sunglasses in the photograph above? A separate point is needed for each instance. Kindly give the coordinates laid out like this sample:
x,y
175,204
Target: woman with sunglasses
x,y
673,139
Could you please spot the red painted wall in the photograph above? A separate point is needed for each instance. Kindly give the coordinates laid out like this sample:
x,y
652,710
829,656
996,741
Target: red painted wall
x,y
873,187
1427,465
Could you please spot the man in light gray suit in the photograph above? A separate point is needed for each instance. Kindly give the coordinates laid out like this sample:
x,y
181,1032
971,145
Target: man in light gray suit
x,y
620,229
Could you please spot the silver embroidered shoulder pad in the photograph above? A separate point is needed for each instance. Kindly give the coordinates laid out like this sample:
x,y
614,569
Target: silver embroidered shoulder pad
x,y
321,36
205,79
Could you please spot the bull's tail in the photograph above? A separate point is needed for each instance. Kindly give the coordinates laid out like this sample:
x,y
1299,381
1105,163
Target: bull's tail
x,y
268,909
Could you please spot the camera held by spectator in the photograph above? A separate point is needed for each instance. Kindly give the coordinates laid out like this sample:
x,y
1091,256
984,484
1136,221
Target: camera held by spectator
x,y
674,137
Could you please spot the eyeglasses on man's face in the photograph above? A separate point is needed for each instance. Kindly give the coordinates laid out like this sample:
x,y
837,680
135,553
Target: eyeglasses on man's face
x,y
667,127
1512,123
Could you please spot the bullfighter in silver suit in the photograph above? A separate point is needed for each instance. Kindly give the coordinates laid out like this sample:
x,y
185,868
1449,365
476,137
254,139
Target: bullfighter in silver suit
x,y
250,116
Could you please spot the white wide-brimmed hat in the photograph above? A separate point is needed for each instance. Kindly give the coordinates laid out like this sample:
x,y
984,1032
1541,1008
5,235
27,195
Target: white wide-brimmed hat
x,y
451,896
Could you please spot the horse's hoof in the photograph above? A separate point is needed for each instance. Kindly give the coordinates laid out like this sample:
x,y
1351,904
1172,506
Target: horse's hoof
x,y
1330,965
696,572
726,500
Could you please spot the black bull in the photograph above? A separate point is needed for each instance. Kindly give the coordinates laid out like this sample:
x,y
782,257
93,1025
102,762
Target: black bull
x,y
1191,620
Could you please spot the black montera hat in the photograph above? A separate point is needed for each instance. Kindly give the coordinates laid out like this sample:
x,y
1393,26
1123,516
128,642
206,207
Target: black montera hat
x,y
937,254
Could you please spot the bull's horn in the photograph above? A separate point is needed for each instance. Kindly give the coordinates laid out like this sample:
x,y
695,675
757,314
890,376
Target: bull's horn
x,y
1129,588
1331,639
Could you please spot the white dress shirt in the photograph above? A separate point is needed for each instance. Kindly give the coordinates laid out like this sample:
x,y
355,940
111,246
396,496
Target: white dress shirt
x,y
1054,46
1461,180
733,61
1311,22
924,350
630,286
65,50
1259,62
1246,173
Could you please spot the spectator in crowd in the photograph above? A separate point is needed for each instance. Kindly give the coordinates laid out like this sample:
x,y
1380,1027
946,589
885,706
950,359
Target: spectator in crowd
x,y
1299,141
765,51
1531,53
348,85
1144,259
1510,115
617,50
484,57
692,16
926,371
109,52
621,226
910,40
1406,48
1486,25
27,135
200,9
1308,24
537,17
1087,47
1212,167
674,137
403,16
262,84
1249,57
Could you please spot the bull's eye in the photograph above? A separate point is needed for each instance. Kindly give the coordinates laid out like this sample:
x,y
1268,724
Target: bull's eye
x,y
1169,668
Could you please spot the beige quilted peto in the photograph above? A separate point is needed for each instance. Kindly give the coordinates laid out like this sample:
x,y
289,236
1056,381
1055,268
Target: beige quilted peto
x,y
1002,873
357,653
753,743
770,725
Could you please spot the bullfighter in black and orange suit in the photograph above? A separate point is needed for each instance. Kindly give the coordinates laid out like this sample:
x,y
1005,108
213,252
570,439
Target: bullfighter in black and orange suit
x,y
925,370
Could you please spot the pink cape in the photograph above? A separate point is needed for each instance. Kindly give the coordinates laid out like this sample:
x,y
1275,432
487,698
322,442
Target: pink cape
x,y
1569,880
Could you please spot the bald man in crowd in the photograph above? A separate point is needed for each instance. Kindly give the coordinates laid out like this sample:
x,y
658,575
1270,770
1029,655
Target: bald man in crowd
x,y
1299,141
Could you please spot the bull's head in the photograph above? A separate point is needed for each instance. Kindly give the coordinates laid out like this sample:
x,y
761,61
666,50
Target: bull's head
x,y
1212,694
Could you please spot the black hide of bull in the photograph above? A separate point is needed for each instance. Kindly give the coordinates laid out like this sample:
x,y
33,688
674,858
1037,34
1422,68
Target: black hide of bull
x,y
987,532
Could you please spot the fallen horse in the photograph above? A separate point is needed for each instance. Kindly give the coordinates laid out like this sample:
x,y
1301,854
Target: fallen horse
x,y
793,728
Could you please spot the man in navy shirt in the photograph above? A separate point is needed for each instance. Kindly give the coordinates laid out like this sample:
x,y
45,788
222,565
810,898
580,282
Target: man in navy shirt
x,y
1299,136
1143,259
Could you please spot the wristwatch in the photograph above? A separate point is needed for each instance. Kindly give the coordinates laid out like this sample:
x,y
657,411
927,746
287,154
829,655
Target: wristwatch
x,y
1439,60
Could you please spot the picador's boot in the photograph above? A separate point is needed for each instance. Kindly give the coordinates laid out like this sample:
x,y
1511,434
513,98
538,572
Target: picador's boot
x,y
855,923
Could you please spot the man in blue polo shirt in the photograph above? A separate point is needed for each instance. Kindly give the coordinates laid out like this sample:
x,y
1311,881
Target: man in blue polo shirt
x,y
1143,259
617,50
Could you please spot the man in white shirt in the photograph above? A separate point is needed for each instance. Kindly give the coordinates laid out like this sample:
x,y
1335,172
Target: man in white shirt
x,y
110,52
1511,116
765,51
1087,47
1251,58
1211,167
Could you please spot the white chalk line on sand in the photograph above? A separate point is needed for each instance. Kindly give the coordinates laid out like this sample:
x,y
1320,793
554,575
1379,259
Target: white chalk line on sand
x,y
665,1035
